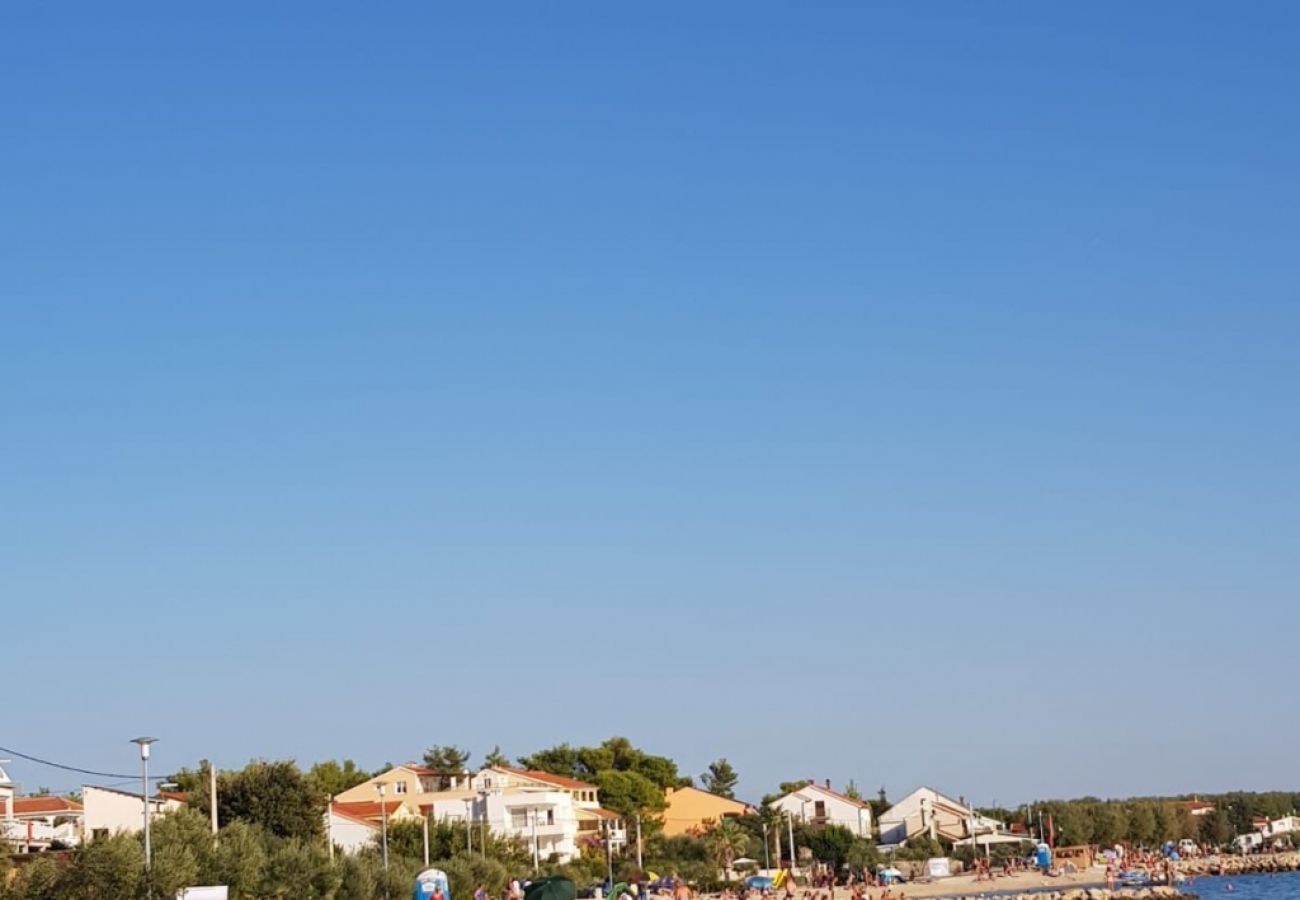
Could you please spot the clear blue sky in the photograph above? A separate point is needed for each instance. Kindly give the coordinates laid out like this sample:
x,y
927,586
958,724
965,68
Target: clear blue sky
x,y
904,392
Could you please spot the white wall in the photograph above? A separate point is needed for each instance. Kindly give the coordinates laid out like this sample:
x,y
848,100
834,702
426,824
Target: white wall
x,y
838,811
110,811
349,835
919,810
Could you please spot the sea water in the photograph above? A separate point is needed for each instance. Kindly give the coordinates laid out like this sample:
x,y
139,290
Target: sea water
x,y
1282,886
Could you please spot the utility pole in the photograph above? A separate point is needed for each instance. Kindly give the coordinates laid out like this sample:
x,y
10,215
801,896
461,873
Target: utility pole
x,y
609,856
767,850
789,826
329,826
469,826
212,796
536,864
426,836
638,840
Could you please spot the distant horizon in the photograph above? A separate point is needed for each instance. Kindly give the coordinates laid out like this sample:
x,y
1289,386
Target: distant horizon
x,y
157,776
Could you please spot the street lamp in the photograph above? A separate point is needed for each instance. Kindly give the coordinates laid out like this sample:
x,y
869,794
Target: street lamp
x,y
144,744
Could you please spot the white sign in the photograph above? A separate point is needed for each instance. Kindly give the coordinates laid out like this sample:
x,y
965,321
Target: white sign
x,y
938,867
220,892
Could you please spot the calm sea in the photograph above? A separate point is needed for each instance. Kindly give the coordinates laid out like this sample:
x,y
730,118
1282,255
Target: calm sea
x,y
1285,886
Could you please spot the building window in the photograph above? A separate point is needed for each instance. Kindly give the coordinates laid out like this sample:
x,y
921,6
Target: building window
x,y
399,787
519,819
819,809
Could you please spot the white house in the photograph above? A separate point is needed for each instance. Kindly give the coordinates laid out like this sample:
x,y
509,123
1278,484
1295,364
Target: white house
x,y
817,804
349,833
36,823
1284,825
552,814
108,811
925,811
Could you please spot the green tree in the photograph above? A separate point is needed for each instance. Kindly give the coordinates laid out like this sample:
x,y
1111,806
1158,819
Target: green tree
x,y
727,842
1216,828
38,880
182,851
629,793
616,754
239,859
359,878
446,758
496,758
110,868
331,777
299,869
273,795
1142,826
831,845
561,759
862,854
720,779
851,791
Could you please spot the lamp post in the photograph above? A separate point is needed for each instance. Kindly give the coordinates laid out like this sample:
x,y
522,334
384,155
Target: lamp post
x,y
767,850
469,825
383,818
425,820
482,824
144,744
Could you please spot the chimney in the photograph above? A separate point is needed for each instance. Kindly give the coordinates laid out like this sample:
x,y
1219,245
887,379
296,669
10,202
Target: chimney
x,y
828,784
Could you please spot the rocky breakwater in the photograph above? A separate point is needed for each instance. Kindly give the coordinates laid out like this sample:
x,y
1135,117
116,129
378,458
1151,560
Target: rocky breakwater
x,y
1240,865
1157,892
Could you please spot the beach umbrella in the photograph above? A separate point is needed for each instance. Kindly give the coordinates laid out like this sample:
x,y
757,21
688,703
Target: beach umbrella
x,y
554,888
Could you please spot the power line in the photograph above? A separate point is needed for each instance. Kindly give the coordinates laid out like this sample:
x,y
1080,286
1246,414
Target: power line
x,y
54,765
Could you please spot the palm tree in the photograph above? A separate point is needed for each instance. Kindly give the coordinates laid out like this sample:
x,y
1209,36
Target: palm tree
x,y
727,843
772,820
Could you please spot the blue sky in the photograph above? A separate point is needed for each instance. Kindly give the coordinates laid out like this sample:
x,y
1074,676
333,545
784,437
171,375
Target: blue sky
x,y
899,392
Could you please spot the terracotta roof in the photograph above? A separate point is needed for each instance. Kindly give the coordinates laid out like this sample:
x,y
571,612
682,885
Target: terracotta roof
x,y
599,813
1199,804
178,796
368,809
39,806
558,780
343,814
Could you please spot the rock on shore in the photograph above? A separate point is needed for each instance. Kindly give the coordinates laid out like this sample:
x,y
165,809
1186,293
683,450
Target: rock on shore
x,y
1241,865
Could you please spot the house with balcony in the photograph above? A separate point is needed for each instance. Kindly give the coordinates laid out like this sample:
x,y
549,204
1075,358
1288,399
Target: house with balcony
x,y
552,815
818,804
925,811
409,780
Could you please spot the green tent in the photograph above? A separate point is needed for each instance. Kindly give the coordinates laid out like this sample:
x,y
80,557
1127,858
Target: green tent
x,y
556,887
